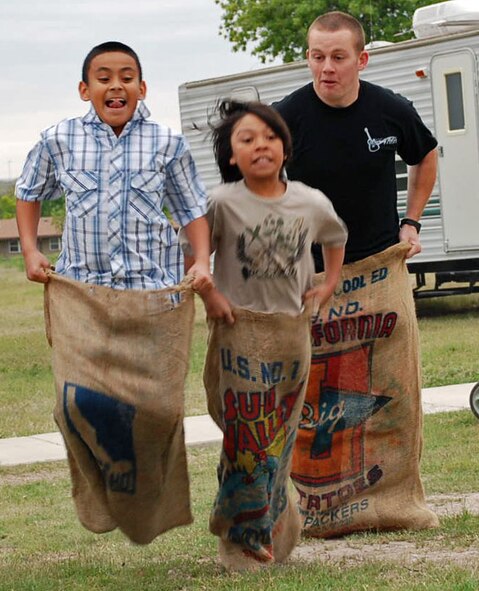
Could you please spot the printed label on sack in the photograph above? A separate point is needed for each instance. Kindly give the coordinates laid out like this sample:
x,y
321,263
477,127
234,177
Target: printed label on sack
x,y
106,426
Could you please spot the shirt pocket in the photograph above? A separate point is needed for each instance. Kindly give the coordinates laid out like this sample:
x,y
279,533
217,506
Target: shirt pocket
x,y
146,197
81,192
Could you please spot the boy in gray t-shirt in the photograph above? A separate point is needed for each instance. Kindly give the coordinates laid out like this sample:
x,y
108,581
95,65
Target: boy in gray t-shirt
x,y
262,227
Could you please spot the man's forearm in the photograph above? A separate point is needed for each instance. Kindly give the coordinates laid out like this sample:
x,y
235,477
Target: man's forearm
x,y
421,179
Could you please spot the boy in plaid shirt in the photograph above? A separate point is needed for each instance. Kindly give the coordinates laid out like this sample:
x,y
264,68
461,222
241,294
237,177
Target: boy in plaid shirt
x,y
118,172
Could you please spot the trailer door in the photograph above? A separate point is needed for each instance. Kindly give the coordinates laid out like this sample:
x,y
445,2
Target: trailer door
x,y
454,87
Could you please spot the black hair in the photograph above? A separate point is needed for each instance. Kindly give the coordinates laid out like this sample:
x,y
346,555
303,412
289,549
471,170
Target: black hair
x,y
106,48
230,112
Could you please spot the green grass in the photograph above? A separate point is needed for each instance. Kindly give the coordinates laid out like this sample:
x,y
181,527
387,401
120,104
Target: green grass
x,y
44,548
26,385
448,330
451,460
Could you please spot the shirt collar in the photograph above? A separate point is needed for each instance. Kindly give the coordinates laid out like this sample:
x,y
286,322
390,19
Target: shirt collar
x,y
141,112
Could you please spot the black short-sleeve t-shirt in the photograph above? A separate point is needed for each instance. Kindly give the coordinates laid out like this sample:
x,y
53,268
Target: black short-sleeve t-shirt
x,y
349,154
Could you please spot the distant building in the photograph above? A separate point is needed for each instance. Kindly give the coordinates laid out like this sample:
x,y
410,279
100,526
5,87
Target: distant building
x,y
49,237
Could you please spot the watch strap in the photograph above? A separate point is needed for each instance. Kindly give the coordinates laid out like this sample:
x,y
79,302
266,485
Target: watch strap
x,y
410,222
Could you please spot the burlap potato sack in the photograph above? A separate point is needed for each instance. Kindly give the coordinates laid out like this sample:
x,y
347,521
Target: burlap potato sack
x,y
255,378
119,361
357,453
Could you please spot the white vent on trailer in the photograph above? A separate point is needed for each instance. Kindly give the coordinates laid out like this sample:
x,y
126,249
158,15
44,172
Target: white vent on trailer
x,y
246,93
377,44
444,18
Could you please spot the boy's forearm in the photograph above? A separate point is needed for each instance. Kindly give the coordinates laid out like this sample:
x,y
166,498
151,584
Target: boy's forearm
x,y
28,215
189,262
198,234
333,261
36,263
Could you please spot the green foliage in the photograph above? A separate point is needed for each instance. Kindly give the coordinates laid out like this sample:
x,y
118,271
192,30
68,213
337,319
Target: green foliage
x,y
56,210
7,206
277,28
53,208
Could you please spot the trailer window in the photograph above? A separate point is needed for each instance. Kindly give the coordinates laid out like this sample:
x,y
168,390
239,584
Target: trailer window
x,y
455,101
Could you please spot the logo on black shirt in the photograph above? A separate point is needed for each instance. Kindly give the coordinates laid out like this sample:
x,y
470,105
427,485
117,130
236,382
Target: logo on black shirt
x,y
374,144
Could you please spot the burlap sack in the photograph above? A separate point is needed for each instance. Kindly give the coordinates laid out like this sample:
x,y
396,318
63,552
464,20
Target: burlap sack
x,y
255,378
356,459
119,362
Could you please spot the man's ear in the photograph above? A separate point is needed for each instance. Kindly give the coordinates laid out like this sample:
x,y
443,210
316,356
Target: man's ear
x,y
83,91
363,60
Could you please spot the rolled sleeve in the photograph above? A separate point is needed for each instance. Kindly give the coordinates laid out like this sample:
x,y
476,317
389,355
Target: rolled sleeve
x,y
37,181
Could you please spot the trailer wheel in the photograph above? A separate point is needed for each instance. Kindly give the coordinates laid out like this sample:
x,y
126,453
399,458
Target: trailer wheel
x,y
474,400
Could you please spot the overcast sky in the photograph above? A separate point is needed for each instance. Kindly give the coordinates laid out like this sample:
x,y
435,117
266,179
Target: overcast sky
x,y
43,44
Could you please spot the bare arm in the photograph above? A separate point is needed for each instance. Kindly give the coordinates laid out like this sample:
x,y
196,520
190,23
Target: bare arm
x,y
28,216
216,305
421,179
333,262
198,235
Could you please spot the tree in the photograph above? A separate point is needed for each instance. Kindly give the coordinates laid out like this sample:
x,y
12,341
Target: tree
x,y
277,28
55,209
7,206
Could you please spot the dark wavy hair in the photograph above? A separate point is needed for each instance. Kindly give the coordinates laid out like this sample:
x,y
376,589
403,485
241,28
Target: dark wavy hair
x,y
106,48
230,112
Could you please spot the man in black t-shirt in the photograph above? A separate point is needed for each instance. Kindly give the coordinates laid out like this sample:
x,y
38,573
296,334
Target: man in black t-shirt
x,y
346,133
345,136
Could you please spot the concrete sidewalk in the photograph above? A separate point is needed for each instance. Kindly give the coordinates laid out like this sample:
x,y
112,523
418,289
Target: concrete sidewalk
x,y
200,430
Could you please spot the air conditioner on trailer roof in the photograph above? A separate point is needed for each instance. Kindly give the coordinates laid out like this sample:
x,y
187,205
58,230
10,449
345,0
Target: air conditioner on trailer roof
x,y
445,18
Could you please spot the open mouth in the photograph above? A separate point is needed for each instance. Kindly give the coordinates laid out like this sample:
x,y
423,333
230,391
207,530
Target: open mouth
x,y
261,160
115,103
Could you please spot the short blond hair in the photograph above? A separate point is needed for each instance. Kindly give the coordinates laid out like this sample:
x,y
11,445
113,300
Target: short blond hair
x,y
335,21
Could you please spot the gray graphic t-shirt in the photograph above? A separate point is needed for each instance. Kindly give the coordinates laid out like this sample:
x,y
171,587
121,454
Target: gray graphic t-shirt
x,y
262,246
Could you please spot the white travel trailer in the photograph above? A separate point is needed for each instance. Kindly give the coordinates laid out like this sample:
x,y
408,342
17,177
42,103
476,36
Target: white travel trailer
x,y
438,71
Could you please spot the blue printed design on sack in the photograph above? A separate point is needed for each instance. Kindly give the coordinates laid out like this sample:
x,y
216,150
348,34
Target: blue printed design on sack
x,y
112,422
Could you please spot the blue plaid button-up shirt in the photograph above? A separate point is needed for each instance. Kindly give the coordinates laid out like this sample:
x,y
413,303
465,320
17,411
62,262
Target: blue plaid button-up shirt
x,y
116,188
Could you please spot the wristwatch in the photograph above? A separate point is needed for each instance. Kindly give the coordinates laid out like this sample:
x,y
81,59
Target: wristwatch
x,y
410,222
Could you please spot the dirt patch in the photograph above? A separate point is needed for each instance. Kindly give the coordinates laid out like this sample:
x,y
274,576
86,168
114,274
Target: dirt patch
x,y
355,553
352,552
17,476
453,504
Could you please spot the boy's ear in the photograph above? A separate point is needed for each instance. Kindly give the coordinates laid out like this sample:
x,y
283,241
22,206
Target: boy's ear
x,y
142,90
83,91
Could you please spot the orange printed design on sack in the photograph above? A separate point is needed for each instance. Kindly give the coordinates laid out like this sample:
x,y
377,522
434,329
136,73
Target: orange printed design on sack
x,y
330,441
